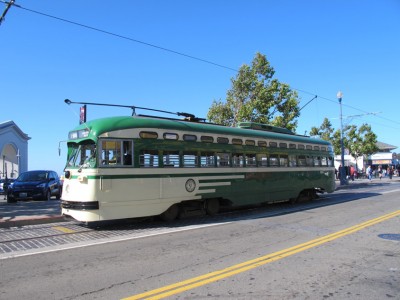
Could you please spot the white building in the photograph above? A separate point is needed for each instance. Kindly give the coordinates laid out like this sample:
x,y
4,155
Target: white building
x,y
382,158
13,150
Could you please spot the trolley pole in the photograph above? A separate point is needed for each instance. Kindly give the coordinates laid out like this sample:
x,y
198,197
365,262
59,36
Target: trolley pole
x,y
343,180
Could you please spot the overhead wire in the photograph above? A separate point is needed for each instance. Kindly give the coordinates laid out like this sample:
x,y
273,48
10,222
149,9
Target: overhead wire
x,y
12,3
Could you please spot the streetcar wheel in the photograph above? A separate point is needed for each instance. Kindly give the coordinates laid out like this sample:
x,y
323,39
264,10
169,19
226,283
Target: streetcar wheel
x,y
170,214
212,207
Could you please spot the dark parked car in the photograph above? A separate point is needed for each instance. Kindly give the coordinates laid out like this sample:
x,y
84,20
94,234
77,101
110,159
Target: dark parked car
x,y
41,184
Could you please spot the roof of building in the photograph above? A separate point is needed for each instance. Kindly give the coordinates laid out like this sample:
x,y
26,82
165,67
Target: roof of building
x,y
385,147
11,124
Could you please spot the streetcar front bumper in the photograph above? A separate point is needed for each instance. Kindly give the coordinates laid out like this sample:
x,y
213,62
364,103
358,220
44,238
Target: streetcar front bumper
x,y
92,205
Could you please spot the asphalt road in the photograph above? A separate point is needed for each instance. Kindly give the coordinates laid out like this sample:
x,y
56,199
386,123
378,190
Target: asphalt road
x,y
345,245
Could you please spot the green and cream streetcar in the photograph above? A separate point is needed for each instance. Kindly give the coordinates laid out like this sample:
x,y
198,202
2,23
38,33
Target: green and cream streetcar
x,y
137,166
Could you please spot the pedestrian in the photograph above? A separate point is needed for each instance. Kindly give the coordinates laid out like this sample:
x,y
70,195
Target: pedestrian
x,y
369,172
390,172
352,171
380,172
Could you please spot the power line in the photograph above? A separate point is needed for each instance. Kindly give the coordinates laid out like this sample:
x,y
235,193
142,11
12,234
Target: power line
x,y
9,4
12,3
123,37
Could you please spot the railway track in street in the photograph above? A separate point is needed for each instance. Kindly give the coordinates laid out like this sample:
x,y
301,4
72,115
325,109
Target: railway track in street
x,y
32,239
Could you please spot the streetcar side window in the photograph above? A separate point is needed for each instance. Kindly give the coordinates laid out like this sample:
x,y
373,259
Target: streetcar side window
x,y
262,144
274,160
262,160
292,161
283,160
317,161
223,160
324,161
309,161
148,159
251,160
116,153
250,142
237,142
302,161
190,159
237,160
171,159
207,159
110,154
128,153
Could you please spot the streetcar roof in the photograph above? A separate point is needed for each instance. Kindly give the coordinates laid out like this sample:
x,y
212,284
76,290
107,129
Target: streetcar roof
x,y
97,127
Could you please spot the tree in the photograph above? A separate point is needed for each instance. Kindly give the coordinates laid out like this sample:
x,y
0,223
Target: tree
x,y
360,141
325,131
255,96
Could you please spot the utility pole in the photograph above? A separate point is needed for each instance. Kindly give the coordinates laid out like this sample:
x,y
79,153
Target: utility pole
x,y
9,4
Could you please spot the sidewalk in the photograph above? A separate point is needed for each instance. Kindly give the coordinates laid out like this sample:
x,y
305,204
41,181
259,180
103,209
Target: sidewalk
x,y
40,212
29,212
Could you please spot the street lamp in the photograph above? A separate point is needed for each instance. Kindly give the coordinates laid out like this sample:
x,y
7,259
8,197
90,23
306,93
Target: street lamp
x,y
342,173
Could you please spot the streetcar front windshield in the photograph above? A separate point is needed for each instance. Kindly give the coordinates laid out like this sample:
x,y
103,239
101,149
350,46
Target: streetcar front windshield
x,y
82,155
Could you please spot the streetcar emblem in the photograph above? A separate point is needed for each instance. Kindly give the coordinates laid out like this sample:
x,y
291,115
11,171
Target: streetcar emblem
x,y
190,185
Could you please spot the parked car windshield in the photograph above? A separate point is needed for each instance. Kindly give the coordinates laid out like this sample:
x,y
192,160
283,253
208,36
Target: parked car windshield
x,y
34,176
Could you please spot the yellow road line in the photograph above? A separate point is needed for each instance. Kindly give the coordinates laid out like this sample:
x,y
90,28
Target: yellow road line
x,y
63,229
195,282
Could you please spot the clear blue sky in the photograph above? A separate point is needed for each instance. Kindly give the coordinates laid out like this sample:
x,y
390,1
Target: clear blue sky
x,y
317,47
